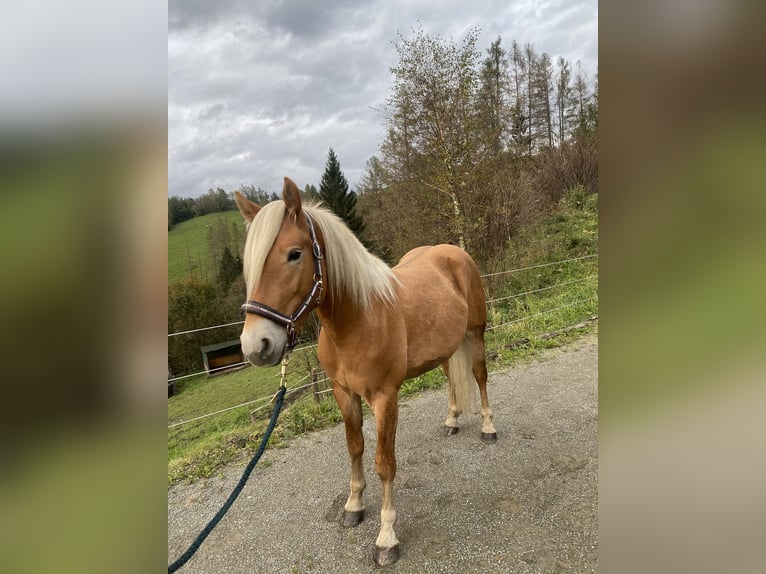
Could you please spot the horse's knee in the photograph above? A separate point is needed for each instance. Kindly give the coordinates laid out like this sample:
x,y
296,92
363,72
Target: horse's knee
x,y
385,467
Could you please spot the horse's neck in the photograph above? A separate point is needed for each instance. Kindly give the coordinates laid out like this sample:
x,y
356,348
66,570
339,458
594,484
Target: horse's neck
x,y
341,318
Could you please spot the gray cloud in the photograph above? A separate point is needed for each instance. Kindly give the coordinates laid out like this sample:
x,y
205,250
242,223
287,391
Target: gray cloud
x,y
261,90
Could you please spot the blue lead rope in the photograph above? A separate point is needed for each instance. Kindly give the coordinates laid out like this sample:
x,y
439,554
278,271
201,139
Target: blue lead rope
x,y
237,489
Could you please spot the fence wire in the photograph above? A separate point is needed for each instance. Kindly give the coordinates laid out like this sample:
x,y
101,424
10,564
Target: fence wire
x,y
294,390
483,276
541,289
539,266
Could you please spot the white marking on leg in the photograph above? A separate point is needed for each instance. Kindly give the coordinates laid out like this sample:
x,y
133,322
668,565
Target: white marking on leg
x,y
358,484
486,421
387,536
454,413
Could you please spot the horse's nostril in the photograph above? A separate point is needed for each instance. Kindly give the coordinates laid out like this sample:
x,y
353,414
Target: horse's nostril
x,y
265,345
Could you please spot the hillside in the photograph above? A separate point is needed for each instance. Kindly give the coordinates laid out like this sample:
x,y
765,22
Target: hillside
x,y
542,293
188,245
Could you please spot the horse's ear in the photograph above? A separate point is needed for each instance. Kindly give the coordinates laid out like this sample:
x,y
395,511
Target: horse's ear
x,y
247,208
291,196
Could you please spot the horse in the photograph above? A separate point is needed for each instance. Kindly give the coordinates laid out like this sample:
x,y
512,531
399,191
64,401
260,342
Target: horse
x,y
379,326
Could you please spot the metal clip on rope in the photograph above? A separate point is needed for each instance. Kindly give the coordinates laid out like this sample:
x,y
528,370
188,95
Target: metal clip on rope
x,y
283,376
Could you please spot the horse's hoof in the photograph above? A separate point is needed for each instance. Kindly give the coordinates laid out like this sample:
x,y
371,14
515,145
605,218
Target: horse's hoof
x,y
448,431
350,519
386,556
489,437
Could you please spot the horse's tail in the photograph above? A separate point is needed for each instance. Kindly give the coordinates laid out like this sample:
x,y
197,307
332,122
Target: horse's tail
x,y
462,384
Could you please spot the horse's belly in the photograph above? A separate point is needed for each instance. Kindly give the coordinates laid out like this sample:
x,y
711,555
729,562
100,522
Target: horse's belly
x,y
433,349
417,369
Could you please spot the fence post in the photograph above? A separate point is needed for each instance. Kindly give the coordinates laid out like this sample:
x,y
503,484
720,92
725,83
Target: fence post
x,y
315,384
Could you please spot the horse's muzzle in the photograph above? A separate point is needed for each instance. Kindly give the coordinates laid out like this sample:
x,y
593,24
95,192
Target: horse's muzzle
x,y
264,344
264,358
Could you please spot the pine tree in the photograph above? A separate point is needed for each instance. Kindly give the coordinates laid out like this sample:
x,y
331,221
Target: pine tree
x,y
334,192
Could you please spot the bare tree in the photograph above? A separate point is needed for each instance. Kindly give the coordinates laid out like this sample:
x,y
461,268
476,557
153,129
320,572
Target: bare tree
x,y
494,93
564,102
433,127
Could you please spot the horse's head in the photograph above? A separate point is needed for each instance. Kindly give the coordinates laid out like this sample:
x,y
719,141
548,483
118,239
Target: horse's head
x,y
282,272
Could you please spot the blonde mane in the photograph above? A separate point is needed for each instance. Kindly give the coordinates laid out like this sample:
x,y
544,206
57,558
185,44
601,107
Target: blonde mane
x,y
351,269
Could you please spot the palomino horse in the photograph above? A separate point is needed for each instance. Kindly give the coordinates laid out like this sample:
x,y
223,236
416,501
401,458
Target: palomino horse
x,y
379,327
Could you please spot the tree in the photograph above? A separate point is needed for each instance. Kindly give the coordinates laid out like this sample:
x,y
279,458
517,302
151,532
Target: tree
x,y
223,200
519,128
593,106
434,137
493,97
179,209
310,193
193,303
540,90
213,201
373,178
229,267
564,101
586,114
255,194
533,121
334,192
222,235
373,195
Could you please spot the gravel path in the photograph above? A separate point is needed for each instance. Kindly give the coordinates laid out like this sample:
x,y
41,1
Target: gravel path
x,y
525,504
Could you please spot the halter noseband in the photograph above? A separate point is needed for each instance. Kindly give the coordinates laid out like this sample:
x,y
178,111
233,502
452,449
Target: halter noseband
x,y
257,308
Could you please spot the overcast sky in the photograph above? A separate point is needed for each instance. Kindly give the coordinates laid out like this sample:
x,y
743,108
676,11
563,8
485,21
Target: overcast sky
x,y
262,90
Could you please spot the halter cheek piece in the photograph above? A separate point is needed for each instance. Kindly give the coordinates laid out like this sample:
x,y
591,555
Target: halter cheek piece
x,y
257,308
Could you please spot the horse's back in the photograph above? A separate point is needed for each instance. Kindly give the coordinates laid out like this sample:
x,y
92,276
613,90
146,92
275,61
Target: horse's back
x,y
436,271
447,260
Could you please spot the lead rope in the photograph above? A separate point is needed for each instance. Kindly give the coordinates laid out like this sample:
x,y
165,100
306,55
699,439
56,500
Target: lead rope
x,y
277,400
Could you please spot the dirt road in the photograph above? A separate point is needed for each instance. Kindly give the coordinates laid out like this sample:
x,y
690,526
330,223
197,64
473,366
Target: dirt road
x,y
525,504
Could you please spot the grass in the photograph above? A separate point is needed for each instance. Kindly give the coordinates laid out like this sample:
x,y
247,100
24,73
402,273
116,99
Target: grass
x,y
199,448
517,326
188,245
196,449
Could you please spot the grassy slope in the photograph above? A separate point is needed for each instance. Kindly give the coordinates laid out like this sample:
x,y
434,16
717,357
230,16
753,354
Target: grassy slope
x,y
570,233
188,244
200,448
196,448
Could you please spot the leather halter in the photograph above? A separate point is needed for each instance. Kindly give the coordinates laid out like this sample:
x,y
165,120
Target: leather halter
x,y
257,308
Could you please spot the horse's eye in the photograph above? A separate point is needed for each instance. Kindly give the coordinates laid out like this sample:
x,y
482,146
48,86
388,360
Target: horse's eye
x,y
294,255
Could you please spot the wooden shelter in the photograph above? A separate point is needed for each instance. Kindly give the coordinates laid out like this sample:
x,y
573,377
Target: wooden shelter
x,y
221,357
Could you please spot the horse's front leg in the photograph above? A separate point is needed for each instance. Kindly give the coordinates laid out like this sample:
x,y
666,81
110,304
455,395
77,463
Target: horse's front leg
x,y
351,407
386,417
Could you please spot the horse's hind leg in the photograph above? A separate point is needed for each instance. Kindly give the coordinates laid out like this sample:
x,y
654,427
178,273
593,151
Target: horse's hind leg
x,y
476,338
459,370
351,407
451,425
